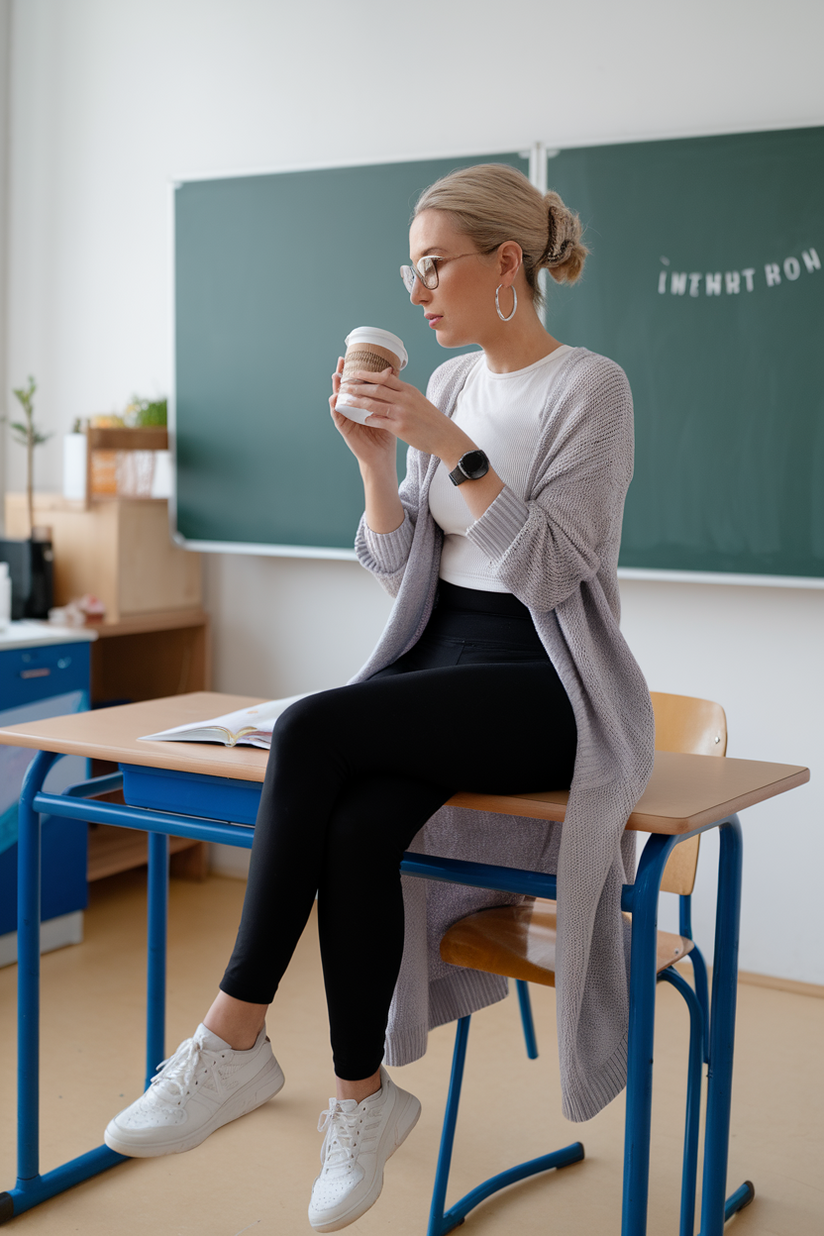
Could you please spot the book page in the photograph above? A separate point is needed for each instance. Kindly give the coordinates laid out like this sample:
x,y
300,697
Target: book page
x,y
243,725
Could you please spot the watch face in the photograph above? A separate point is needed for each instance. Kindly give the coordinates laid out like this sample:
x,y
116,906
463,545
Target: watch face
x,y
475,464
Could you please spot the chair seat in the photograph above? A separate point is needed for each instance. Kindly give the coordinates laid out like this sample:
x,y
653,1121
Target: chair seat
x,y
519,941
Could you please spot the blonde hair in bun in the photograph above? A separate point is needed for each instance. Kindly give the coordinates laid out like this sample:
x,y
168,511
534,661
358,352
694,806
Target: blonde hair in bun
x,y
492,203
565,253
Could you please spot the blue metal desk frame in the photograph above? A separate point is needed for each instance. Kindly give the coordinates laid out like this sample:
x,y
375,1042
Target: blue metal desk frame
x,y
196,792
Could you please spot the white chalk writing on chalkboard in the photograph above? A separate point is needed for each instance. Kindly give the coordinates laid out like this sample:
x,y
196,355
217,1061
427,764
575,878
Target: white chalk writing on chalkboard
x,y
678,282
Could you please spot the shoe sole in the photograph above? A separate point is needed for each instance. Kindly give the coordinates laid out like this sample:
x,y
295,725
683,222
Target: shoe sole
x,y
255,1093
408,1114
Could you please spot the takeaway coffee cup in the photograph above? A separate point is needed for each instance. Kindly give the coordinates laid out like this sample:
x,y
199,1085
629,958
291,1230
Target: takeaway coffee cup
x,y
372,349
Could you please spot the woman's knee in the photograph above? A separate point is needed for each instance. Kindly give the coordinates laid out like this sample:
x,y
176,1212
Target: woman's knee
x,y
307,720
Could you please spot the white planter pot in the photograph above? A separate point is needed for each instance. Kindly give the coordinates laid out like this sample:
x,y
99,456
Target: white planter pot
x,y
74,466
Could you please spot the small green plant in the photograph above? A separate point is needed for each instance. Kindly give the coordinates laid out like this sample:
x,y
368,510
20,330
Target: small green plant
x,y
146,413
28,435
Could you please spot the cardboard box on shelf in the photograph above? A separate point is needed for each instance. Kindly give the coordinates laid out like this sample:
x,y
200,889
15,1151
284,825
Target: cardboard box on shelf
x,y
119,549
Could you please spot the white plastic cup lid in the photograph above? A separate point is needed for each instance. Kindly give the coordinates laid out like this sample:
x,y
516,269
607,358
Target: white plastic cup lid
x,y
383,338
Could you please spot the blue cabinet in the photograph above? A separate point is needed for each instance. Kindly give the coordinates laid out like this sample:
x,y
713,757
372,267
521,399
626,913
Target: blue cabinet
x,y
48,676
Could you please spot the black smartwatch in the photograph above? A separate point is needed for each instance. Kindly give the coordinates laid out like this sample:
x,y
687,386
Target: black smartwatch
x,y
471,467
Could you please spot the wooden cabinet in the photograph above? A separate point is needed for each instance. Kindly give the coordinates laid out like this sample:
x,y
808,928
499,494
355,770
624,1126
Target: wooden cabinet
x,y
150,655
119,849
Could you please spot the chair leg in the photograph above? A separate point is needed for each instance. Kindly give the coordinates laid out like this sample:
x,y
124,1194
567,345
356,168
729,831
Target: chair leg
x,y
702,991
699,967
441,1221
437,1217
528,1024
689,1171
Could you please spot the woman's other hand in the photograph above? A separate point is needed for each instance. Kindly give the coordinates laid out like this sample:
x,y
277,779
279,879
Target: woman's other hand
x,y
399,410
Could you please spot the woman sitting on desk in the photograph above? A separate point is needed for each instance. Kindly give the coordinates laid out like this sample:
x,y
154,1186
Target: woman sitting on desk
x,y
501,668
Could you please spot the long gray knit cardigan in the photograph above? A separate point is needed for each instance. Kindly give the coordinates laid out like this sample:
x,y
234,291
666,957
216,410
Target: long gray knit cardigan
x,y
557,552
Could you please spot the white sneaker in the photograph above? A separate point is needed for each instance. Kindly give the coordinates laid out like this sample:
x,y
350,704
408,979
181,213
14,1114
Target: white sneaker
x,y
360,1137
204,1085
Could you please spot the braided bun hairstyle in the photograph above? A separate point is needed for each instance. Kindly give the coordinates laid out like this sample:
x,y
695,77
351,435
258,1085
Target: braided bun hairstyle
x,y
492,203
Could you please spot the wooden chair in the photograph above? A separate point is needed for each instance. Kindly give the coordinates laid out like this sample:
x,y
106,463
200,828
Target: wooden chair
x,y
519,942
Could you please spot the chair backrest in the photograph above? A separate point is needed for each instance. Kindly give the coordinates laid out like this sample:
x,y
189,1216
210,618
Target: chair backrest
x,y
695,727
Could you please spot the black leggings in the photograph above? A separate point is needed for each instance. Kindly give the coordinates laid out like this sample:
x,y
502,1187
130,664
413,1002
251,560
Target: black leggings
x,y
355,772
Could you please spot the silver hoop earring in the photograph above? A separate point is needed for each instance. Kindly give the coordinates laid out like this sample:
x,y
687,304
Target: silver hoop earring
x,y
498,307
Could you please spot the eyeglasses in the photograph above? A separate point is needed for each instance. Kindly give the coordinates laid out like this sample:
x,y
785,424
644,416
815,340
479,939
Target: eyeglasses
x,y
426,269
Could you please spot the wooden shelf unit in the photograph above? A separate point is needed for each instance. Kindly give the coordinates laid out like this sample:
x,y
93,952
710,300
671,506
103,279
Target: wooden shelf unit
x,y
119,549
148,656
119,849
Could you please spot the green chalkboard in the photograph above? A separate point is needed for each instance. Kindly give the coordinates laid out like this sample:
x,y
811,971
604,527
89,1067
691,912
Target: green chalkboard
x,y
706,284
271,272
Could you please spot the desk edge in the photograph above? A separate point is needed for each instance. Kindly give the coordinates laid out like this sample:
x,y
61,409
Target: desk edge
x,y
539,809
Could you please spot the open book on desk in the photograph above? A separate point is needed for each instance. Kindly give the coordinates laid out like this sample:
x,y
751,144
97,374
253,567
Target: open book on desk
x,y
249,727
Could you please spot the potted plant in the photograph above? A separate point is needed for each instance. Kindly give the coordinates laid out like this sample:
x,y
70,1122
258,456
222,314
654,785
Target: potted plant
x,y
30,560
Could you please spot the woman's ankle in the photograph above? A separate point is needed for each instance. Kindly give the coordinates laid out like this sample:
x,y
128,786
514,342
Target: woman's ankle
x,y
358,1090
235,1021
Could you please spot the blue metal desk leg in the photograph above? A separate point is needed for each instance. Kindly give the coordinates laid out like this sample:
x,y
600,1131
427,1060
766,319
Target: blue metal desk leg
x,y
157,914
714,1211
32,1188
692,1123
28,976
641,1031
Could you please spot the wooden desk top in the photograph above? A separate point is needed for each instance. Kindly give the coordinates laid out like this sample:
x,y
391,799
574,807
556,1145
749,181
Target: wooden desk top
x,y
685,791
114,734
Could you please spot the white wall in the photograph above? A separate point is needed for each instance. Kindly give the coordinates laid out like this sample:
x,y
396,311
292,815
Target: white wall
x,y
110,101
5,93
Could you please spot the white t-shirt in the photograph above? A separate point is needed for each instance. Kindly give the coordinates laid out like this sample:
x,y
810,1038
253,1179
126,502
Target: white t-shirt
x,y
501,413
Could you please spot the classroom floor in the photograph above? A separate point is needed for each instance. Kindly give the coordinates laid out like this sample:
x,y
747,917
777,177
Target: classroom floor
x,y
255,1175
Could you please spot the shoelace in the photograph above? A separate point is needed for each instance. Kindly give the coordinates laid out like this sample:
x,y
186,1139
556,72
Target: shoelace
x,y
342,1134
341,1138
174,1076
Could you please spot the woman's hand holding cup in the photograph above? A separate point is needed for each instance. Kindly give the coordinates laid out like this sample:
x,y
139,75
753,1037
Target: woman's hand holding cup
x,y
372,447
372,407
